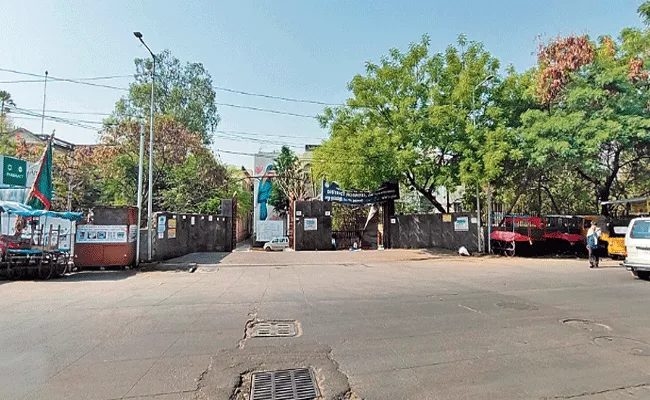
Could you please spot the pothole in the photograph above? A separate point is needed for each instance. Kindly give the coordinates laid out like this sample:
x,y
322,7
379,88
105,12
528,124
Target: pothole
x,y
517,306
624,345
586,324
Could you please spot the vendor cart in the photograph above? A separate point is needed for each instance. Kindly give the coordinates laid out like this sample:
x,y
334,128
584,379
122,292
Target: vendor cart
x,y
31,241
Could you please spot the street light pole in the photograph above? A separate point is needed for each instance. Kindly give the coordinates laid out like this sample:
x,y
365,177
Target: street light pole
x,y
478,199
151,110
140,171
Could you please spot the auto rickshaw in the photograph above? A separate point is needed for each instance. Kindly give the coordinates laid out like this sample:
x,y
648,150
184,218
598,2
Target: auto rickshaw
x,y
622,212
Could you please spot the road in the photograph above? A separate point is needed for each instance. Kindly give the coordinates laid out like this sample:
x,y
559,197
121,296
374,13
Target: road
x,y
371,325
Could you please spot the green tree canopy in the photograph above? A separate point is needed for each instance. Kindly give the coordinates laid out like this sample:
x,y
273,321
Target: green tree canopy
x,y
183,91
408,119
596,122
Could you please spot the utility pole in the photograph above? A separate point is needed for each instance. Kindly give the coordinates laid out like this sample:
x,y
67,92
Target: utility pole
x,y
478,201
151,110
70,177
44,97
140,172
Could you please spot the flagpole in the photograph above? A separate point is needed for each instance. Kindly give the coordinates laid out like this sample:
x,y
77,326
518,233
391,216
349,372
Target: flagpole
x,y
44,97
40,168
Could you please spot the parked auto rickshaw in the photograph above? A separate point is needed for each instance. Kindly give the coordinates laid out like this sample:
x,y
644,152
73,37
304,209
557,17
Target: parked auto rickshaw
x,y
617,228
622,212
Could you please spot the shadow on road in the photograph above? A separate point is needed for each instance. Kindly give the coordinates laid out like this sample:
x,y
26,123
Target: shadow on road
x,y
96,276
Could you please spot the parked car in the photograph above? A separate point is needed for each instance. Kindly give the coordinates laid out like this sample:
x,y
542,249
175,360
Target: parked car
x,y
277,244
637,244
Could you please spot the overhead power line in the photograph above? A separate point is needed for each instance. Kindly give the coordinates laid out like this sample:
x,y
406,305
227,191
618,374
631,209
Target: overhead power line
x,y
95,78
87,81
247,133
267,110
268,96
63,79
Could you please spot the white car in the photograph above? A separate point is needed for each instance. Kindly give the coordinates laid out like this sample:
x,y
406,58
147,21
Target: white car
x,y
277,244
637,244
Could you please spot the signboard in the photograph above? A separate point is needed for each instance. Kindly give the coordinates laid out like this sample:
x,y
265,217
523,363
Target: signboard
x,y
162,221
133,233
387,191
14,171
171,223
101,234
461,224
171,233
446,217
267,230
311,224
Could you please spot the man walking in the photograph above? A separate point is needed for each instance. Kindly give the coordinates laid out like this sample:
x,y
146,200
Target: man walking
x,y
593,234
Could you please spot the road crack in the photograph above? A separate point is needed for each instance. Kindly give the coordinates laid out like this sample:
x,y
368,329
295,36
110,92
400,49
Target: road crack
x,y
597,392
252,318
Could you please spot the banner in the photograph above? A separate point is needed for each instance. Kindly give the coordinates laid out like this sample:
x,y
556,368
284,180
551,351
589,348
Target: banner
x,y
102,233
387,191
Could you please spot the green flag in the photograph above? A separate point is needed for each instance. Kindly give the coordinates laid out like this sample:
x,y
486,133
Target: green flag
x,y
40,195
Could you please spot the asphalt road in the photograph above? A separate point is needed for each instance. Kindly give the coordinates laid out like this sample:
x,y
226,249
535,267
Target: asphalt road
x,y
371,328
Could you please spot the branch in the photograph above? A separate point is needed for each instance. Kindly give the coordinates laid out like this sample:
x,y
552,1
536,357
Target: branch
x,y
587,177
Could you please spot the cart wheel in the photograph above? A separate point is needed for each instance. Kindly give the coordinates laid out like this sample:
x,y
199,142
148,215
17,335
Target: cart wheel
x,y
509,251
45,272
495,246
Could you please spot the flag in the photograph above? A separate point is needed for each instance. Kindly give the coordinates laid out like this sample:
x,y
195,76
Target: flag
x,y
40,195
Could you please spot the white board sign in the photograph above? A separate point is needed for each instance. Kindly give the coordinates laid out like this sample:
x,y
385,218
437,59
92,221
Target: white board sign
x,y
311,224
133,232
162,221
461,224
267,230
102,233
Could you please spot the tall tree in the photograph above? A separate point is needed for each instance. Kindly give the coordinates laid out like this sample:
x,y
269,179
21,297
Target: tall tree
x,y
408,119
183,91
5,102
596,122
291,180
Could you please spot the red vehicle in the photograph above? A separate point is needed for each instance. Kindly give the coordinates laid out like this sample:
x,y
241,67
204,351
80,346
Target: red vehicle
x,y
515,231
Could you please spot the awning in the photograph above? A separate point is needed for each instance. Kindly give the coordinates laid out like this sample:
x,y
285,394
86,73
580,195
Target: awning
x,y
11,207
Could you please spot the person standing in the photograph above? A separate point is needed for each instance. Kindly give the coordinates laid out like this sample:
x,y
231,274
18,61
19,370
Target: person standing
x,y
593,234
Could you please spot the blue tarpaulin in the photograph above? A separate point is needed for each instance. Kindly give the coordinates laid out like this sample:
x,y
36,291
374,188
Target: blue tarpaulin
x,y
23,210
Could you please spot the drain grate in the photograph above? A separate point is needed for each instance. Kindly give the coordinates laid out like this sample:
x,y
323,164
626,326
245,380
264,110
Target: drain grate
x,y
276,328
290,384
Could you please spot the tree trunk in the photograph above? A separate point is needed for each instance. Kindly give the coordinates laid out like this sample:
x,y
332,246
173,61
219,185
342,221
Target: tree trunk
x,y
425,192
432,199
603,195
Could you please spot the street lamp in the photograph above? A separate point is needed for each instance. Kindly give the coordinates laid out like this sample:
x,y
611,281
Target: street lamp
x,y
150,200
478,201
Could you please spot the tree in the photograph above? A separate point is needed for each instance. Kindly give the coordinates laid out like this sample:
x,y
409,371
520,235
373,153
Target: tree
x,y
596,122
291,180
184,92
196,185
5,102
408,119
118,154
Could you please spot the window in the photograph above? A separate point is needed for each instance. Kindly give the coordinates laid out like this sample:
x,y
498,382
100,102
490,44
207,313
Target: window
x,y
640,230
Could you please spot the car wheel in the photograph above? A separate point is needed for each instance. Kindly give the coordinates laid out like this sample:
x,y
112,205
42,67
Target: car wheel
x,y
645,275
267,248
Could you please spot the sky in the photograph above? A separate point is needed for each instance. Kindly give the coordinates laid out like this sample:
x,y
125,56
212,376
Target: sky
x,y
298,49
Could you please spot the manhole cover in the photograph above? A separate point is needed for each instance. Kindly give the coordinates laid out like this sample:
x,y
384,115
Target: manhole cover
x,y
290,384
275,328
624,345
516,306
586,324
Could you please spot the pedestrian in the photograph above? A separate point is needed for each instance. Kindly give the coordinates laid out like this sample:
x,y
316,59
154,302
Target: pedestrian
x,y
593,234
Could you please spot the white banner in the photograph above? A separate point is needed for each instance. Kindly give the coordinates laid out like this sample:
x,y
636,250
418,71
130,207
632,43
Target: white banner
x,y
102,234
